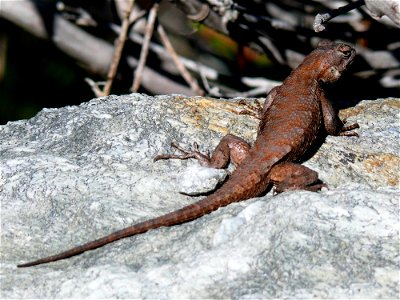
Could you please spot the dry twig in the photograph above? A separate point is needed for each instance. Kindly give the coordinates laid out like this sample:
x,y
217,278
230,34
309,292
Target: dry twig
x,y
145,47
181,67
118,49
324,18
95,86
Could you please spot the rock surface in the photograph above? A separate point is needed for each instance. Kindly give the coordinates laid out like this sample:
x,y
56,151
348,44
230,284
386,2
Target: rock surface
x,y
74,174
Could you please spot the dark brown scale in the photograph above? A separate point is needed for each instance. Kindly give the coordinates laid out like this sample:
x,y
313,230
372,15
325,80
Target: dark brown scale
x,y
292,118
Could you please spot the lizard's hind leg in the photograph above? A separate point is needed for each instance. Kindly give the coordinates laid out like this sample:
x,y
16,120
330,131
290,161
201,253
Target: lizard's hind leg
x,y
230,148
288,176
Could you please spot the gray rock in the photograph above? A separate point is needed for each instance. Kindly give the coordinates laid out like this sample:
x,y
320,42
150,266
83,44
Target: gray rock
x,y
74,174
196,180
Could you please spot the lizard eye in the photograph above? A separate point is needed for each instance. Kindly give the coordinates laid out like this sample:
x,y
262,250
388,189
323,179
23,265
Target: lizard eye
x,y
346,53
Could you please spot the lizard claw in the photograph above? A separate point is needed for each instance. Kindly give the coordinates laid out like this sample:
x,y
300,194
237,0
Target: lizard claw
x,y
317,186
196,154
251,110
346,130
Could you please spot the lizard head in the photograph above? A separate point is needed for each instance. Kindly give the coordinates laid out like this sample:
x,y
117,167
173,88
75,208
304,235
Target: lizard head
x,y
334,59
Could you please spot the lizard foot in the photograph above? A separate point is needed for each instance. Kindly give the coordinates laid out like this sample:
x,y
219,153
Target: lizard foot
x,y
312,188
230,149
346,130
204,159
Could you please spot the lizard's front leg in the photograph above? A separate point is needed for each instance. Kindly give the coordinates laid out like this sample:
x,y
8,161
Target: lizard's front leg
x,y
347,130
230,148
333,125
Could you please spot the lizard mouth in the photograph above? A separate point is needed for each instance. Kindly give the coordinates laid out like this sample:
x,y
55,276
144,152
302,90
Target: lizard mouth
x,y
351,57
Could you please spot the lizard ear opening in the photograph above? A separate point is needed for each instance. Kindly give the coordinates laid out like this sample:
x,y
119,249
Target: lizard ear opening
x,y
330,74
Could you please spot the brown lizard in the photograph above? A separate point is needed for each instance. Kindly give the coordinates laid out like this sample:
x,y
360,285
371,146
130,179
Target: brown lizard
x,y
293,116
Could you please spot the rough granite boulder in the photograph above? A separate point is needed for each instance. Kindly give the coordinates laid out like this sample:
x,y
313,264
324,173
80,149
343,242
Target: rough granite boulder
x,y
74,174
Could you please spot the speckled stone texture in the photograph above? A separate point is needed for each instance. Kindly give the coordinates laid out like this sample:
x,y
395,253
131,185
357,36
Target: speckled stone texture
x,y
73,174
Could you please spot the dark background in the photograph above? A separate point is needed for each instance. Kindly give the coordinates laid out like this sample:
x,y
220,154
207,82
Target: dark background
x,y
35,74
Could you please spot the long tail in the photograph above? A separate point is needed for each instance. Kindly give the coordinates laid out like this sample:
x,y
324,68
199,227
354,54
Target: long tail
x,y
222,197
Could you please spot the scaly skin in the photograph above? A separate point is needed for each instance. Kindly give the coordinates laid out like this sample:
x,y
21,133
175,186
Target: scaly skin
x,y
292,118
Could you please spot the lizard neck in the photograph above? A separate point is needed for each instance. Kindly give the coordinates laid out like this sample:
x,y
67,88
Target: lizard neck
x,y
307,75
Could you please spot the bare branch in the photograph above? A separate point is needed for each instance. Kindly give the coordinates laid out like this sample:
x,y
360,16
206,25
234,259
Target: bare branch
x,y
145,47
95,86
324,18
181,67
118,49
260,85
